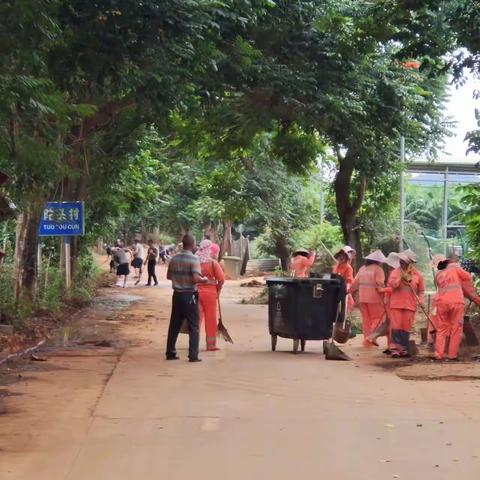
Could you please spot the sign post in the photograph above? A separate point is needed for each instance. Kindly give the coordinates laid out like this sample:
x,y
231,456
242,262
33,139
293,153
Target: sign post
x,y
63,219
68,269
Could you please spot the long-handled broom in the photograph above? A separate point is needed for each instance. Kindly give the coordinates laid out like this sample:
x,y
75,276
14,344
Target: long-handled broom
x,y
221,329
331,351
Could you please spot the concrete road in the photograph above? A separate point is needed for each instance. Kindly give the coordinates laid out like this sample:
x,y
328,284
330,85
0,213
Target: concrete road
x,y
243,413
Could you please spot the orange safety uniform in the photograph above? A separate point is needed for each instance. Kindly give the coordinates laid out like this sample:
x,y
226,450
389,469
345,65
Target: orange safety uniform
x,y
452,282
372,309
345,270
300,265
402,307
207,300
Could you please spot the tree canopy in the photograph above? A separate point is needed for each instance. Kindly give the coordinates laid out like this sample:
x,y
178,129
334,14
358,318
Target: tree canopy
x,y
191,115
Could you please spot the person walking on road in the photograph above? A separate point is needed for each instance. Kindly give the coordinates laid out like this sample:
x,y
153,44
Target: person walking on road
x,y
368,281
453,284
404,283
151,261
185,273
137,261
208,293
123,270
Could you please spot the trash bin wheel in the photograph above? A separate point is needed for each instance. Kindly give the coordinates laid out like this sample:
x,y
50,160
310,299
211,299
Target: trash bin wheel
x,y
302,344
296,343
274,343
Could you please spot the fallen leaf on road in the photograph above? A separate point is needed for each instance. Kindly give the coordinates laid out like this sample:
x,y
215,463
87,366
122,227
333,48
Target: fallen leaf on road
x,y
389,425
37,358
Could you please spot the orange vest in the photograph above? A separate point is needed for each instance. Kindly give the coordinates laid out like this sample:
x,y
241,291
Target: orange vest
x,y
402,296
368,279
453,284
345,270
300,265
213,271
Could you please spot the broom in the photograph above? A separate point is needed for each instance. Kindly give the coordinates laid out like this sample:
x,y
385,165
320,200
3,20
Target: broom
x,y
221,329
331,351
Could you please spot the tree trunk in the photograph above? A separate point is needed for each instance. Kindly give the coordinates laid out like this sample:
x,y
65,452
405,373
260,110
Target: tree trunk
x,y
26,253
282,252
227,242
212,231
348,205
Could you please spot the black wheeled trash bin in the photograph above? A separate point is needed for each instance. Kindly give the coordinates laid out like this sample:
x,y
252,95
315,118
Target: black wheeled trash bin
x,y
304,308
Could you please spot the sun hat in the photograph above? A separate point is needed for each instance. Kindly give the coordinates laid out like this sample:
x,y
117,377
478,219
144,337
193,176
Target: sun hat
x,y
411,255
301,250
393,260
405,257
346,250
376,256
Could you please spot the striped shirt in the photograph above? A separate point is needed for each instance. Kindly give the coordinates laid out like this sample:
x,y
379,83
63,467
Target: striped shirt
x,y
181,269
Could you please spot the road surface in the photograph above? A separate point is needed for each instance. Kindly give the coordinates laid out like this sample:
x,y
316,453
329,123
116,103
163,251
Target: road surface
x,y
124,413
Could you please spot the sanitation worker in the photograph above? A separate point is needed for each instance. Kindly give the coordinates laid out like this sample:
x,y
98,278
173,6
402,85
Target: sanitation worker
x,y
453,284
383,329
405,283
368,281
345,270
208,292
302,261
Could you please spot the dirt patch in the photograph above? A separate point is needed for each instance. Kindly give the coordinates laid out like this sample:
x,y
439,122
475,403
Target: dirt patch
x,y
253,283
261,298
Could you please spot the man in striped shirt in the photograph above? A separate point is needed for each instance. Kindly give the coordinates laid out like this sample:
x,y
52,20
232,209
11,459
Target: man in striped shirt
x,y
184,273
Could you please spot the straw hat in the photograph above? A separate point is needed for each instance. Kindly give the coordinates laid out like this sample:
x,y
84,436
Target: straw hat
x,y
404,257
376,256
452,255
411,255
301,250
346,250
393,260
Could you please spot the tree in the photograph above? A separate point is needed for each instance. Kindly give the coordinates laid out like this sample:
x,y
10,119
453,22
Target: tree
x,y
329,71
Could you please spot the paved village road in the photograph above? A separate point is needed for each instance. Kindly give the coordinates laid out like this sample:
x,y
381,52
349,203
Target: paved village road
x,y
243,413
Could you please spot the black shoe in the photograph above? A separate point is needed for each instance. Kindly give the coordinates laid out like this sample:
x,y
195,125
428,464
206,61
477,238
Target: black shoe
x,y
148,285
387,352
173,357
194,360
155,284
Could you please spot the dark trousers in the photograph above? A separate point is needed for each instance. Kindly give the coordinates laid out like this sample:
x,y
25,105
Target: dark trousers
x,y
151,271
184,306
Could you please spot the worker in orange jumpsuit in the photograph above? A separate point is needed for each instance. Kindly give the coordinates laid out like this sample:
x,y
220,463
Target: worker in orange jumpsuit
x,y
405,282
453,284
209,292
345,270
369,279
383,329
301,263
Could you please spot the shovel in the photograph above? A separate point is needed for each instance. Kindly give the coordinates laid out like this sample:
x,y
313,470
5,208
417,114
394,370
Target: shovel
x,y
342,334
331,351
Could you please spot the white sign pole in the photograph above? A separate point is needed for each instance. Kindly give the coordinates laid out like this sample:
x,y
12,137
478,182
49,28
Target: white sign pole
x,y
68,270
